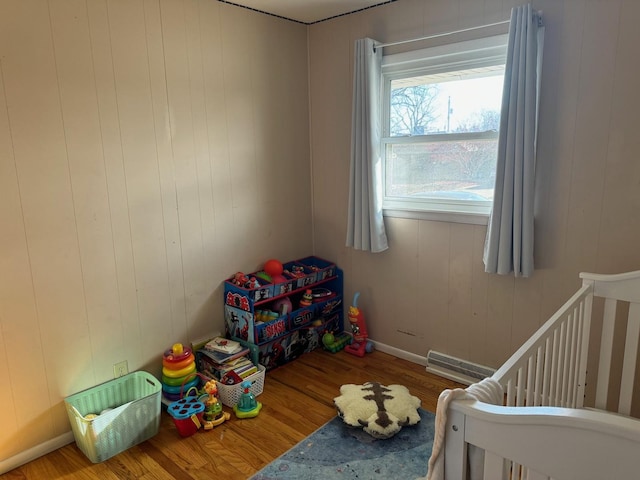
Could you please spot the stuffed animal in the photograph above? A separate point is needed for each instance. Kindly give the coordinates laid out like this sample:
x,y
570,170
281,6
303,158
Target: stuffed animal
x,y
380,410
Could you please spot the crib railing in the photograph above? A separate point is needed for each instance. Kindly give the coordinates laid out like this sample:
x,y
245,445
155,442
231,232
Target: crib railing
x,y
549,369
548,373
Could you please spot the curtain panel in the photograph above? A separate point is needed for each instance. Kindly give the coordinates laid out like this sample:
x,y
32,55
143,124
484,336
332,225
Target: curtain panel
x,y
509,241
365,228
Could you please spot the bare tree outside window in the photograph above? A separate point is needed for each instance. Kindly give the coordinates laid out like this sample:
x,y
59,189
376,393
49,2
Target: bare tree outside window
x,y
414,109
453,148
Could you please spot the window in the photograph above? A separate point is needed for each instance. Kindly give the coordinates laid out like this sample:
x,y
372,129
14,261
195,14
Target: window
x,y
440,129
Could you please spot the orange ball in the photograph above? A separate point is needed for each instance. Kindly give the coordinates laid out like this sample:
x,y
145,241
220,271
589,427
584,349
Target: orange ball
x,y
273,267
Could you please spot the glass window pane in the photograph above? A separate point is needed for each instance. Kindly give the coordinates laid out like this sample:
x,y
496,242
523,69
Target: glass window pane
x,y
453,102
449,170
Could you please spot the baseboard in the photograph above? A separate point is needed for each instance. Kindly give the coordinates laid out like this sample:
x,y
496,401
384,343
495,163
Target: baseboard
x,y
35,452
396,352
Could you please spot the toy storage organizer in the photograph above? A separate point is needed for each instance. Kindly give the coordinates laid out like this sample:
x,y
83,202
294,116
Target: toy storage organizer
x,y
296,329
114,416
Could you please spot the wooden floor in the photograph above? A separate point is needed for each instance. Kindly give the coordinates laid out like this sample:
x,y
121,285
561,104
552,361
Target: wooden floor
x,y
297,399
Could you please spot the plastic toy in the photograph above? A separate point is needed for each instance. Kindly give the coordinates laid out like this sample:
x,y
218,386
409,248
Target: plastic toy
x,y
283,306
178,369
321,294
335,343
213,414
240,279
306,300
247,406
360,343
265,316
187,415
274,269
296,271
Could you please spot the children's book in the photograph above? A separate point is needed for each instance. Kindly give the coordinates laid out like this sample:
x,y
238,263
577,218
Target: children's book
x,y
223,345
224,358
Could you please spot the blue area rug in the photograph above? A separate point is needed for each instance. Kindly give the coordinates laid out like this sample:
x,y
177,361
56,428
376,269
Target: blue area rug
x,y
337,451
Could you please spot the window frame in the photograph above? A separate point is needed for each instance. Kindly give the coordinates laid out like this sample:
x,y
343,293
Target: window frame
x,y
483,52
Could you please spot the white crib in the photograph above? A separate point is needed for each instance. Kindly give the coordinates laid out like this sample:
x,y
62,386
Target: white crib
x,y
544,430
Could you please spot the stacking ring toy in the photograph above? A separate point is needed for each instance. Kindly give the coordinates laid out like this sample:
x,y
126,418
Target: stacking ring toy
x,y
177,389
183,372
178,364
173,382
177,353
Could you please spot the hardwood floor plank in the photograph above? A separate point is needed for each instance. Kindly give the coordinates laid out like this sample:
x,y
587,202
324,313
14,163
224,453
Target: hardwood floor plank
x,y
297,400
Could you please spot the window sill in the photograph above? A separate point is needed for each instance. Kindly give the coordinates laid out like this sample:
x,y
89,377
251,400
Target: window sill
x,y
439,216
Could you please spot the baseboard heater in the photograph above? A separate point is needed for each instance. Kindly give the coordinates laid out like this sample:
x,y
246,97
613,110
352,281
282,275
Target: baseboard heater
x,y
456,369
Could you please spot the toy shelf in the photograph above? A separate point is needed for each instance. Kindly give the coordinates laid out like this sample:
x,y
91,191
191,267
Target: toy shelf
x,y
278,321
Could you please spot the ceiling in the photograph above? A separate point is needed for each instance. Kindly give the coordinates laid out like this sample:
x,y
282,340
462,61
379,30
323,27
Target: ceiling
x,y
307,11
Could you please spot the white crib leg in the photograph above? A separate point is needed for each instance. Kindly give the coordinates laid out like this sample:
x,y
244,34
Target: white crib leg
x,y
455,458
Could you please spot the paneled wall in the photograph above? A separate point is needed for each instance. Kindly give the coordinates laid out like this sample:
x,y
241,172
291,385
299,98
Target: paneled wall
x,y
429,290
151,148
148,150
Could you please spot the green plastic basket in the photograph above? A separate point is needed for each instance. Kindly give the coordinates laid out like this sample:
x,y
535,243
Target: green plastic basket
x,y
127,409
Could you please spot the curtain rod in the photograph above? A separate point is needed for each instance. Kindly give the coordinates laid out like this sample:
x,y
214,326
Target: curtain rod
x,y
536,15
429,37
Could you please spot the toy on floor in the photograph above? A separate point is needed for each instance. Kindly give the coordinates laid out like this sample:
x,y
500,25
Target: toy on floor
x,y
187,415
247,405
213,414
360,343
335,342
380,410
178,371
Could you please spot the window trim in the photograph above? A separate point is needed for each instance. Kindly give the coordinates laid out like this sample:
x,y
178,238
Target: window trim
x,y
487,51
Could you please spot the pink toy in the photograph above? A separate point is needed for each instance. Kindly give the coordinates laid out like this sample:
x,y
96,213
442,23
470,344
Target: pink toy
x,y
283,306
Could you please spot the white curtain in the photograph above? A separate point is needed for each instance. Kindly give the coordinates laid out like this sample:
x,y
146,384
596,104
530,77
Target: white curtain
x,y
365,229
509,243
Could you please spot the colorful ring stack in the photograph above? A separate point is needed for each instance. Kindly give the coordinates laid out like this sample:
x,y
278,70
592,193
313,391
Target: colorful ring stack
x,y
178,372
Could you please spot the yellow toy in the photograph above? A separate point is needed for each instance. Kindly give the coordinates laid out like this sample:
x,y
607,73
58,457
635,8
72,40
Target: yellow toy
x,y
213,414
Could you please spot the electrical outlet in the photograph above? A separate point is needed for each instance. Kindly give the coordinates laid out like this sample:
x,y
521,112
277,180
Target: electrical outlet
x,y
120,369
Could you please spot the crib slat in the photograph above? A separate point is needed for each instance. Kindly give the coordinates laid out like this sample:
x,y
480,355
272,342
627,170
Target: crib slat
x,y
554,368
630,356
606,351
546,383
583,351
520,388
493,466
510,393
565,361
530,382
557,401
570,399
538,381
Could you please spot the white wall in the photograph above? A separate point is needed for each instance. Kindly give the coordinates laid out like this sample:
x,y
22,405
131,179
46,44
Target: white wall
x,y
429,290
149,149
